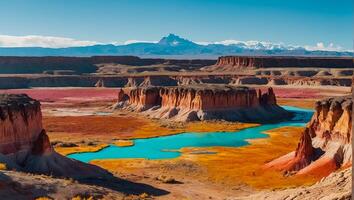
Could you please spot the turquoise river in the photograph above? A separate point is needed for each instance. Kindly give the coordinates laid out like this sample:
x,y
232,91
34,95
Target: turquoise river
x,y
167,146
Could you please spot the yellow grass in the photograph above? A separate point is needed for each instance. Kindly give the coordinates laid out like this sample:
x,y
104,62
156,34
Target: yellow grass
x,y
84,128
3,166
78,128
123,165
229,166
43,198
245,164
82,198
302,103
124,143
154,129
217,126
80,149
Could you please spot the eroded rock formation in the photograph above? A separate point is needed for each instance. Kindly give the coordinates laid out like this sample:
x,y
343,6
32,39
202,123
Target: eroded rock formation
x,y
230,63
334,77
20,123
25,146
325,144
202,102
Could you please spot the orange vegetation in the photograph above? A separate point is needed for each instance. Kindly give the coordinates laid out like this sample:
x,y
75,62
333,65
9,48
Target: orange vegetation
x,y
82,148
124,143
229,166
103,126
43,198
302,103
3,166
104,130
245,164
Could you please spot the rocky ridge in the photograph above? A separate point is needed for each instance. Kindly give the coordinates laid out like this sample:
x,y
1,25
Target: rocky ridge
x,y
118,71
202,102
25,146
229,63
293,77
325,144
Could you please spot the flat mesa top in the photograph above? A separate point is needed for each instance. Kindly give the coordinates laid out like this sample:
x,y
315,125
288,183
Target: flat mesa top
x,y
16,99
213,87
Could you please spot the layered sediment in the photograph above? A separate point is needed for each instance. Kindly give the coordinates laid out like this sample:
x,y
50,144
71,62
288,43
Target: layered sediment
x,y
20,123
118,71
325,144
25,146
263,77
236,62
202,102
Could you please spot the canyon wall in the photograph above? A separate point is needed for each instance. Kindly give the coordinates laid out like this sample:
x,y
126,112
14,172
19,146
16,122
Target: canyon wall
x,y
229,63
28,81
325,144
202,102
84,65
79,65
25,146
21,123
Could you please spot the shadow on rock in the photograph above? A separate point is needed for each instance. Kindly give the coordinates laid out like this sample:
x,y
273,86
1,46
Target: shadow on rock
x,y
124,186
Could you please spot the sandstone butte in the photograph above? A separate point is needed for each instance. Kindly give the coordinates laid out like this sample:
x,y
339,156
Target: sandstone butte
x,y
25,146
325,144
202,102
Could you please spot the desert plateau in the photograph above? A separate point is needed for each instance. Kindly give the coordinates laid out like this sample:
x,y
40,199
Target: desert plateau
x,y
152,130
256,105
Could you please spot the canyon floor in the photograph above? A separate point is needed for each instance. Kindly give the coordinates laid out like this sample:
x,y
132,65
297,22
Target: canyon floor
x,y
81,120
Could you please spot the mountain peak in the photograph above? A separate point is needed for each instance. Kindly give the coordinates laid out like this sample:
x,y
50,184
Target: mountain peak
x,y
174,40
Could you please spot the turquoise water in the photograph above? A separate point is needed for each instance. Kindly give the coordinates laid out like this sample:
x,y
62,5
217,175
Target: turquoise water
x,y
167,146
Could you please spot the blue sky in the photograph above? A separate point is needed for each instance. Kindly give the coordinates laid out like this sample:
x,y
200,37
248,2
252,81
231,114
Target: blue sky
x,y
298,22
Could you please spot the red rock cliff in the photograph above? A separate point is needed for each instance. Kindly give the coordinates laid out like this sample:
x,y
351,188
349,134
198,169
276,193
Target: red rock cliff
x,y
325,144
208,98
25,146
197,102
144,98
20,122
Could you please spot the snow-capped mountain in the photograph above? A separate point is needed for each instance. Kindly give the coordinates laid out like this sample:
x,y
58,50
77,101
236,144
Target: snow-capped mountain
x,y
174,40
257,45
175,46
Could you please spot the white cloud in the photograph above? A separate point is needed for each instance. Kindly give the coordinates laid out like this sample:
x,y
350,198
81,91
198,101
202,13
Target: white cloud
x,y
251,44
42,41
320,46
138,41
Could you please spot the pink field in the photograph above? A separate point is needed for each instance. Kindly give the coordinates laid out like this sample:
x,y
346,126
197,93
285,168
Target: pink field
x,y
110,94
296,93
302,93
67,94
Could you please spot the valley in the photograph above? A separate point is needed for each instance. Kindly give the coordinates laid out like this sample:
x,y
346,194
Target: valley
x,y
115,113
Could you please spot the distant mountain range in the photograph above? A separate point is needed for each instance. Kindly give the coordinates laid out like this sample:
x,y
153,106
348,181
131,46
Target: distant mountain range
x,y
172,46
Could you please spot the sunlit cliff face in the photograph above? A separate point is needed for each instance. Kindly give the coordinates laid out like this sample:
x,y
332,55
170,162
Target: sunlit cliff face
x,y
20,123
325,144
191,103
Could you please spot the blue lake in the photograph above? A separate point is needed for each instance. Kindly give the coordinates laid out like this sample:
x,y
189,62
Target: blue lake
x,y
167,146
